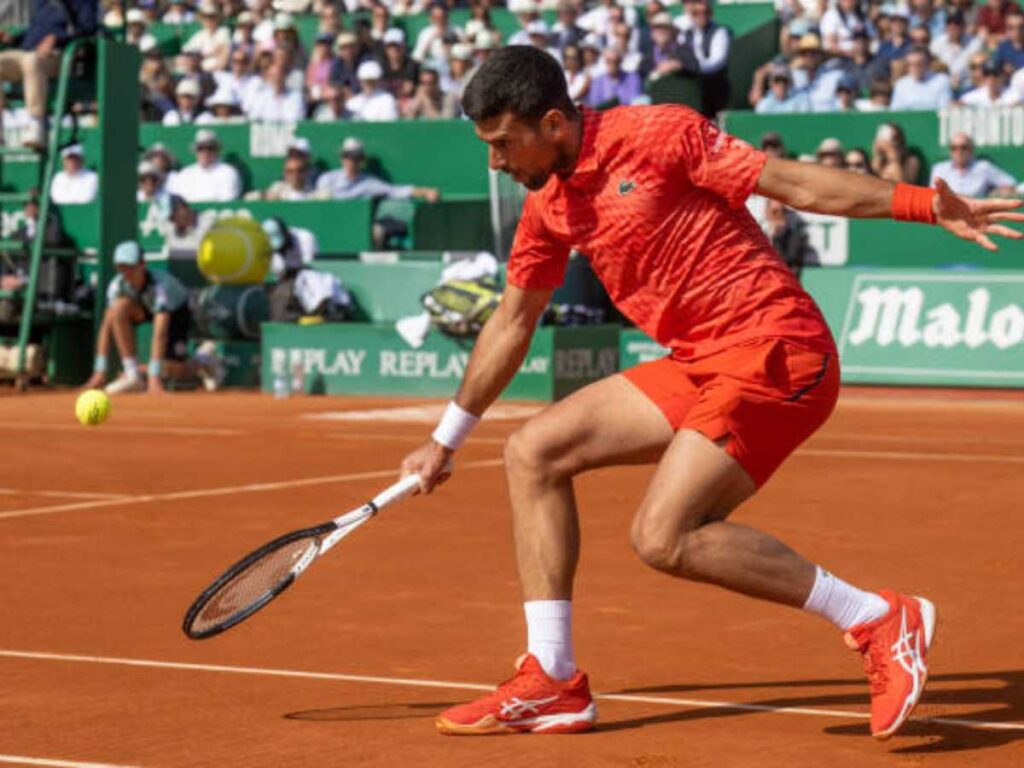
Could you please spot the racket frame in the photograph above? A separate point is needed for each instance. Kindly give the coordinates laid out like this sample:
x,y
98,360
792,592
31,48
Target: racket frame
x,y
327,535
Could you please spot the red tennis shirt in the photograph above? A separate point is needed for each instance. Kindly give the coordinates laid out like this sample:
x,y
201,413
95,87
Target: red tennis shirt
x,y
656,203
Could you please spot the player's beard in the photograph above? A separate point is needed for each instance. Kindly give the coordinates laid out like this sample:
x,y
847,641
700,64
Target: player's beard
x,y
562,165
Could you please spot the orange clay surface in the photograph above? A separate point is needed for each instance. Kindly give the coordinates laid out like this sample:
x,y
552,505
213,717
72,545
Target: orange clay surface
x,y
107,534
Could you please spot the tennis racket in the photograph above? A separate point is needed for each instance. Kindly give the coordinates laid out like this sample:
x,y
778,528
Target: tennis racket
x,y
259,577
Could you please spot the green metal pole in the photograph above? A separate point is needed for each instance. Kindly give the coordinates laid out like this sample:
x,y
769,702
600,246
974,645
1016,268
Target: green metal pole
x,y
52,152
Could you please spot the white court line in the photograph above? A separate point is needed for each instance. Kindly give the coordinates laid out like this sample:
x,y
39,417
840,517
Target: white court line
x,y
419,683
225,491
22,760
928,439
49,427
61,494
984,458
987,458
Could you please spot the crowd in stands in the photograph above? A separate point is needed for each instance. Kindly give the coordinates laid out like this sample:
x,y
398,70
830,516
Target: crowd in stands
x,y
868,56
246,60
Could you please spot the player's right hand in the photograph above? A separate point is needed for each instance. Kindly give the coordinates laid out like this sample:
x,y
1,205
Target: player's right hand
x,y
432,462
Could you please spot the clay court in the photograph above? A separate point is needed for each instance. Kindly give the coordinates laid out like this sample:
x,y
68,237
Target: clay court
x,y
107,534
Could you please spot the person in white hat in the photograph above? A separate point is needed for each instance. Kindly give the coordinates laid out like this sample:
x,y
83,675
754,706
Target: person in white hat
x,y
209,179
221,108
135,30
275,102
343,73
75,183
401,72
351,182
484,45
372,103
186,99
211,41
178,12
600,19
461,66
151,188
243,36
526,12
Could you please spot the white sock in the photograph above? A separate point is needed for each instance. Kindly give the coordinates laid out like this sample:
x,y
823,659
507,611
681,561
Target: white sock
x,y
131,367
549,636
842,604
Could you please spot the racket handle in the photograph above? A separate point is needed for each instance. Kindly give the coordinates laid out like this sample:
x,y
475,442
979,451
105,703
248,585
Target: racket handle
x,y
404,487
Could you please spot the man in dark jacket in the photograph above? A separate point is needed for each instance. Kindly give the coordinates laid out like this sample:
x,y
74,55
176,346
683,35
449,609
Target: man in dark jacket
x,y
34,55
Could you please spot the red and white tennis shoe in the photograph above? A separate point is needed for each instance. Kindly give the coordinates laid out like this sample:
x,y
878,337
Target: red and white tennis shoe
x,y
528,702
895,650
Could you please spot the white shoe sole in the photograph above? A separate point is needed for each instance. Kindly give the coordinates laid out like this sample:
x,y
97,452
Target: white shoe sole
x,y
565,722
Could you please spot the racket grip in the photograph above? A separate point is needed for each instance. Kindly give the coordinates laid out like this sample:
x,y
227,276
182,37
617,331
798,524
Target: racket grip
x,y
404,487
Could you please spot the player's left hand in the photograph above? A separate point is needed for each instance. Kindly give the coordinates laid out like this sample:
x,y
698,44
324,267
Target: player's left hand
x,y
974,219
155,386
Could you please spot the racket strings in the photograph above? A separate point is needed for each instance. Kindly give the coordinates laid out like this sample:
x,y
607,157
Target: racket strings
x,y
262,578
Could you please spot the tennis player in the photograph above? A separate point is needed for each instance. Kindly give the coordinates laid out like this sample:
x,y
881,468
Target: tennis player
x,y
654,196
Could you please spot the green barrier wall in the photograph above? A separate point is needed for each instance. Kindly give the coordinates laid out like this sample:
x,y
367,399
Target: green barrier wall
x,y
910,327
367,359
438,153
925,327
341,226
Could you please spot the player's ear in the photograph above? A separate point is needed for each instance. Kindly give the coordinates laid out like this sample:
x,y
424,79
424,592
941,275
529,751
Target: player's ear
x,y
553,124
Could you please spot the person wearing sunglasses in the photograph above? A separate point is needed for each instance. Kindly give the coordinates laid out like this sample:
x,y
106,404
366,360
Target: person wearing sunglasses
x,y
969,176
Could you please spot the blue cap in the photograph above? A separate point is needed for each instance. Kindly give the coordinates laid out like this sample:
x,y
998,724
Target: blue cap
x,y
127,253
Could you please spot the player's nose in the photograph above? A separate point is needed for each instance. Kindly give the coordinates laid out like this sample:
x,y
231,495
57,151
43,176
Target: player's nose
x,y
495,160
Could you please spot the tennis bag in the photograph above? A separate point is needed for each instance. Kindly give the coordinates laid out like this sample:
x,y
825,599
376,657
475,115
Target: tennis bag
x,y
461,307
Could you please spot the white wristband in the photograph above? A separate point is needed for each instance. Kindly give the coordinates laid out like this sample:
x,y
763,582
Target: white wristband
x,y
455,426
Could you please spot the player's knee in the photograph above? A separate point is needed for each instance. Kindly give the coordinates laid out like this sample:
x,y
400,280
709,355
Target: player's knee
x,y
657,545
528,452
668,543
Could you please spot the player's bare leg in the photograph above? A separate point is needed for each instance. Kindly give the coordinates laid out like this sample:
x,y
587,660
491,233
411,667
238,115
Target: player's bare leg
x,y
681,529
607,423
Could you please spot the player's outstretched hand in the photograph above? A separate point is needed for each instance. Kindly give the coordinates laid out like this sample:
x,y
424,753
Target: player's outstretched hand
x,y
974,219
432,462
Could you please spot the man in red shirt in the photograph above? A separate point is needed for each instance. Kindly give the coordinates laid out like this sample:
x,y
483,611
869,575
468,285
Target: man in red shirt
x,y
654,197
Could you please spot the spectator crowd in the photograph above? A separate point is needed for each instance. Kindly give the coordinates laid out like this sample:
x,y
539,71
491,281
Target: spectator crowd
x,y
868,56
246,60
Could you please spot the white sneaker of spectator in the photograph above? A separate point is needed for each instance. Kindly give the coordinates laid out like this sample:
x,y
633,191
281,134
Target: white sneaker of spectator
x,y
125,383
210,367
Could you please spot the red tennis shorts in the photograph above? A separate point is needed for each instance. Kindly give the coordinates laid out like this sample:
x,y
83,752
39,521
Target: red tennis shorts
x,y
760,398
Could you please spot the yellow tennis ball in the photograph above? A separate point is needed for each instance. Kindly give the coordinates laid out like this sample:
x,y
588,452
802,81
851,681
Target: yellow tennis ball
x,y
92,407
235,251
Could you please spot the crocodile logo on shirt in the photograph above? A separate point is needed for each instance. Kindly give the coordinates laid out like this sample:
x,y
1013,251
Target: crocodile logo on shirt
x,y
625,187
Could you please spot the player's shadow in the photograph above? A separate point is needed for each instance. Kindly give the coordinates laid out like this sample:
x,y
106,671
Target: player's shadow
x,y
398,711
1000,696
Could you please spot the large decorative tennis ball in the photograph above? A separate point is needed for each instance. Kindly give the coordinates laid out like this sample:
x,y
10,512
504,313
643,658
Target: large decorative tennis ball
x,y
235,251
92,407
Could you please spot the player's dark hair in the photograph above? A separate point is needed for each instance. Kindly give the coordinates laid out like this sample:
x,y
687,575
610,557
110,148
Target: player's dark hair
x,y
519,79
